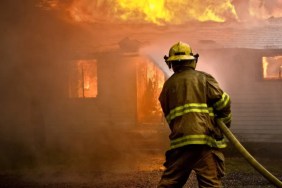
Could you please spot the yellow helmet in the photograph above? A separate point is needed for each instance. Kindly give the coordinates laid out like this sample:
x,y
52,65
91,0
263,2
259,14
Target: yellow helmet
x,y
180,51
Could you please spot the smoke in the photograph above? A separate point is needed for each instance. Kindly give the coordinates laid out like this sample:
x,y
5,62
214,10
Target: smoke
x,y
257,9
266,9
31,46
208,62
156,54
40,127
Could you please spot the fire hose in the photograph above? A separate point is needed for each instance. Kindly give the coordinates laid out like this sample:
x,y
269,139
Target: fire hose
x,y
250,159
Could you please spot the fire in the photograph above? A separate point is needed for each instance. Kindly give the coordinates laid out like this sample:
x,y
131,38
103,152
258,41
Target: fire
x,y
150,80
48,4
272,67
162,12
159,12
181,11
264,67
83,79
151,11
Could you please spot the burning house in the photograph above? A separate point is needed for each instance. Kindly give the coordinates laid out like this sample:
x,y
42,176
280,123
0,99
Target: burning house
x,y
73,72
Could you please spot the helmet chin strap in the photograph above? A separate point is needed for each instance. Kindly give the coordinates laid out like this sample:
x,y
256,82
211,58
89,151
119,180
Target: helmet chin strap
x,y
167,62
196,57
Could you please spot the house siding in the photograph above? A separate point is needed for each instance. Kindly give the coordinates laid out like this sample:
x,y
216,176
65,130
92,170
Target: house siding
x,y
256,103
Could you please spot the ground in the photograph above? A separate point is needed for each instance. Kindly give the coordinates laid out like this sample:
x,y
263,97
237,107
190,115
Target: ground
x,y
128,167
144,171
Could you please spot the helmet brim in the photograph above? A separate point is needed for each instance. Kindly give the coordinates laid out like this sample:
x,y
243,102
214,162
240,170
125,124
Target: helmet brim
x,y
181,57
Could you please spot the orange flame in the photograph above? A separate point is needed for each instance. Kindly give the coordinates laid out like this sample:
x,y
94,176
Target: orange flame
x,y
159,12
150,80
83,79
272,67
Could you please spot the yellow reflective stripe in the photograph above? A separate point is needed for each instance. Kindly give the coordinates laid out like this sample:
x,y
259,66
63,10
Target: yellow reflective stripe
x,y
189,105
222,102
226,119
211,111
187,108
175,114
197,139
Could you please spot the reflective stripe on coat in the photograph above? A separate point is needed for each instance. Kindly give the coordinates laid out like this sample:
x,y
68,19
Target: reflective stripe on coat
x,y
190,100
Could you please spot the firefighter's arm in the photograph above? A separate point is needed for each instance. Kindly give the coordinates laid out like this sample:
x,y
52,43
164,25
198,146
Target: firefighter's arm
x,y
223,110
163,101
219,100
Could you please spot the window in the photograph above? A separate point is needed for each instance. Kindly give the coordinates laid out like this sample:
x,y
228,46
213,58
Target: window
x,y
83,79
272,67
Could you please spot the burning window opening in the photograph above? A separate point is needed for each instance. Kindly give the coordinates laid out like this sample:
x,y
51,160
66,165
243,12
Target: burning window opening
x,y
83,79
272,68
150,80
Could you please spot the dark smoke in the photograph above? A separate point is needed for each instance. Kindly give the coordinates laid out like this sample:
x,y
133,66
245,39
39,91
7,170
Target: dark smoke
x,y
32,44
38,129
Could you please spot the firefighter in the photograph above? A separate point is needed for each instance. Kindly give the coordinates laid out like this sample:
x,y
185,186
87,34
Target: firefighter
x,y
191,100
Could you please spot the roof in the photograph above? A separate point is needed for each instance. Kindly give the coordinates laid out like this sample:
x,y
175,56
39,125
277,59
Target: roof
x,y
259,35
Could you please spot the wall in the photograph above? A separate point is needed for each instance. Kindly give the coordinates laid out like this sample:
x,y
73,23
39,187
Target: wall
x,y
256,103
117,87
